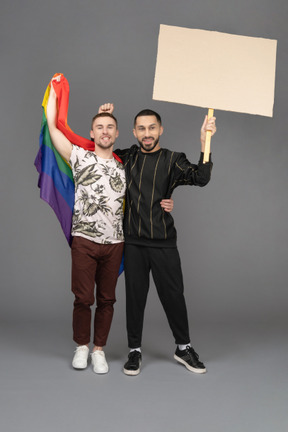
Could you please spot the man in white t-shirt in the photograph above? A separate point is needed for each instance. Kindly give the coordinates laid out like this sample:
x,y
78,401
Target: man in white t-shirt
x,y
97,230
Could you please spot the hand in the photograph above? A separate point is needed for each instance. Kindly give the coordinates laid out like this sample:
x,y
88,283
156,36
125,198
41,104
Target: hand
x,y
208,125
56,77
106,108
167,204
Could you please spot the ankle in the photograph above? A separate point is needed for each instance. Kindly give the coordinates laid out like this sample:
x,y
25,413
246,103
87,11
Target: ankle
x,y
135,349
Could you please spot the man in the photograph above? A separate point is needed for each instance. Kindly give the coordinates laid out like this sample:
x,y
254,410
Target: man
x,y
97,231
153,172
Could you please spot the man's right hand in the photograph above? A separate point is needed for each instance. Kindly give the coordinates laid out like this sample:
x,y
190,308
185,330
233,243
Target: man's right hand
x,y
59,140
106,108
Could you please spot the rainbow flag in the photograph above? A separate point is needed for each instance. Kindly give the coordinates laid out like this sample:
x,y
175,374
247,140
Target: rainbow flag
x,y
55,175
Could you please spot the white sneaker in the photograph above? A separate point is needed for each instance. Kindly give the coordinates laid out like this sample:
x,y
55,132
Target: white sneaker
x,y
99,363
80,357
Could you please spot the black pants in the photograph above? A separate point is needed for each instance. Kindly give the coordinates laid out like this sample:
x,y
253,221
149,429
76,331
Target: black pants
x,y
165,266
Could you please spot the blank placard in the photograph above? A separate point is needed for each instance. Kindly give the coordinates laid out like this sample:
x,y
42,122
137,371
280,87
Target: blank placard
x,y
215,70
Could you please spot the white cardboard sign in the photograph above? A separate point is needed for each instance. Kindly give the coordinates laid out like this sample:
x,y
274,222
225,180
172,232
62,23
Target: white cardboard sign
x,y
215,70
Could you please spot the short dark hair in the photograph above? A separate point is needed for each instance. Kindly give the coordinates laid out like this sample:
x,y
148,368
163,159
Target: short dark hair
x,y
104,115
148,112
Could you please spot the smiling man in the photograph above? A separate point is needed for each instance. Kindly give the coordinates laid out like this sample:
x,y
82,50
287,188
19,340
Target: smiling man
x,y
97,230
153,172
147,130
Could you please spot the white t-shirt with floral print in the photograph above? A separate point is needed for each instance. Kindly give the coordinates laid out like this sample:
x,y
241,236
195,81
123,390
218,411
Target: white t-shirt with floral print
x,y
99,194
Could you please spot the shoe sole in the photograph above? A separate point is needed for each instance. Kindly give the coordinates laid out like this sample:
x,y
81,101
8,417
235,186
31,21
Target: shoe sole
x,y
132,372
80,368
101,373
190,368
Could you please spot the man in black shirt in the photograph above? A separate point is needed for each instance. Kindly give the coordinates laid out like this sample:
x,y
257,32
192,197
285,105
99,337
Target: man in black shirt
x,y
152,173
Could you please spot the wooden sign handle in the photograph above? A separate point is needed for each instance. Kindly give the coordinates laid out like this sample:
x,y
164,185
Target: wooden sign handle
x,y
208,138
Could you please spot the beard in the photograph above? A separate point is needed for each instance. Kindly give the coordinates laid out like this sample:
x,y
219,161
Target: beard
x,y
149,149
105,147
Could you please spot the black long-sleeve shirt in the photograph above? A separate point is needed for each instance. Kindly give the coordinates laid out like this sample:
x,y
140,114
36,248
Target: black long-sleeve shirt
x,y
150,178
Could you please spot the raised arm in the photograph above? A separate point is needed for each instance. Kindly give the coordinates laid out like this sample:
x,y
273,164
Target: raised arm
x,y
60,142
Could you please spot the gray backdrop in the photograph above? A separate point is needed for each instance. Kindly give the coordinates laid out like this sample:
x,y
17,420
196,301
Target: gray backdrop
x,y
232,235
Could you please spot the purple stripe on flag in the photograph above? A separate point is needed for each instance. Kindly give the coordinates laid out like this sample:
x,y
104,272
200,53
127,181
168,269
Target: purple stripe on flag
x,y
51,195
46,162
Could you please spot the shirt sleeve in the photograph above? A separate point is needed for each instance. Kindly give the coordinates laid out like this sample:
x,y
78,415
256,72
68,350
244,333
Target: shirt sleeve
x,y
186,173
124,154
74,154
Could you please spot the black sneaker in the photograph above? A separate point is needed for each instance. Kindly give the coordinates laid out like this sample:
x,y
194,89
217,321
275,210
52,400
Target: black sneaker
x,y
190,359
132,366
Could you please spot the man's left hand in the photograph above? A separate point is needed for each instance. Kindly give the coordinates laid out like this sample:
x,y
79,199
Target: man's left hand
x,y
106,108
208,125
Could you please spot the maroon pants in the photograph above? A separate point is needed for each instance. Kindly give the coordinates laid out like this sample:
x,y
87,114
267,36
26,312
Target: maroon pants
x,y
94,263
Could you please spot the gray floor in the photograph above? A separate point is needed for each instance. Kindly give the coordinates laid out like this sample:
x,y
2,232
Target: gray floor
x,y
245,388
